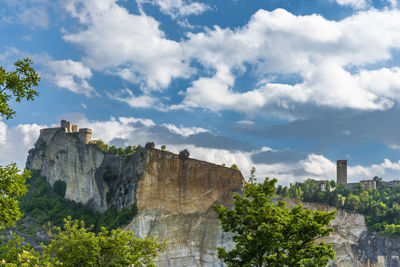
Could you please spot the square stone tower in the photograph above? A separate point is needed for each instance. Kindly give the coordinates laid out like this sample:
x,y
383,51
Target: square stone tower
x,y
341,172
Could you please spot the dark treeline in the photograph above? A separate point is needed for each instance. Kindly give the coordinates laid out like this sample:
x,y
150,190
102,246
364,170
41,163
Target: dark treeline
x,y
381,207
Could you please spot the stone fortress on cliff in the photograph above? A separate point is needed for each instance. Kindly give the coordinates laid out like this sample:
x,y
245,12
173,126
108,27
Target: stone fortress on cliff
x,y
84,134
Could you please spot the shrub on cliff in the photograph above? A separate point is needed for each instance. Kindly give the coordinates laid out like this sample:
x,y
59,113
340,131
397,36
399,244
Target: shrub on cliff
x,y
103,147
149,145
235,167
184,154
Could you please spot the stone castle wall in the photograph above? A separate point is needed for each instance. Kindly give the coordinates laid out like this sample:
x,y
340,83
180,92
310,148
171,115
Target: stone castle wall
x,y
84,134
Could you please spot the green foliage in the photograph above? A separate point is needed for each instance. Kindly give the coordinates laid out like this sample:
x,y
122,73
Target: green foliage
x,y
113,150
12,248
273,235
112,219
17,85
235,167
12,187
103,147
163,147
44,205
60,187
380,208
75,245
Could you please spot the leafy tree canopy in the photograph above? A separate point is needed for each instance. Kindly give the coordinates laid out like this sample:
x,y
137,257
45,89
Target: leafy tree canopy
x,y
75,245
12,187
17,84
266,234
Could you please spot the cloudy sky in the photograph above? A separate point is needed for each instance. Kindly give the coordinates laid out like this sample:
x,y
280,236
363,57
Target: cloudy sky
x,y
287,86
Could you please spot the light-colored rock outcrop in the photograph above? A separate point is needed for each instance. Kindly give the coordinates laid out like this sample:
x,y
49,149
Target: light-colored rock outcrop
x,y
174,201
64,157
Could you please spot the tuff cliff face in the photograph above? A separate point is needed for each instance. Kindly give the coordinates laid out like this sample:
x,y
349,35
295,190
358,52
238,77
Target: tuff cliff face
x,y
174,201
174,198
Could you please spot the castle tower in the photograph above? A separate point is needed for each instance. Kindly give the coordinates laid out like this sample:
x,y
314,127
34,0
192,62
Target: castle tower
x,y
341,172
74,128
85,135
67,126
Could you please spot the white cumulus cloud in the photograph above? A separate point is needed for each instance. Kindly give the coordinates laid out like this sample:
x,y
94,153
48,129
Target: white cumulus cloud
x,y
319,51
357,4
127,45
71,75
30,12
178,8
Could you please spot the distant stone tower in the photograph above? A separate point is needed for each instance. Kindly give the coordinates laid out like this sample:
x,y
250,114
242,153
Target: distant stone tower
x,y
341,172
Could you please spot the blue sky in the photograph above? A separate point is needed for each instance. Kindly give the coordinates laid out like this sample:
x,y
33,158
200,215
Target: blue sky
x,y
286,86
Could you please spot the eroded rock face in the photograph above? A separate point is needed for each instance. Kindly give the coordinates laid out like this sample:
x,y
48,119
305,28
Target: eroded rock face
x,y
174,201
64,157
184,186
93,178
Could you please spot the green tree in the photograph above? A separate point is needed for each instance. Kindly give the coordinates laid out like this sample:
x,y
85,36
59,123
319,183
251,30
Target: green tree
x,y
235,166
12,187
76,245
11,250
273,235
17,84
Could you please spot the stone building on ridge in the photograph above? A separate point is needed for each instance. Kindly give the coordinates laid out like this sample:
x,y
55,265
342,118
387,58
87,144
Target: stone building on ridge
x,y
84,134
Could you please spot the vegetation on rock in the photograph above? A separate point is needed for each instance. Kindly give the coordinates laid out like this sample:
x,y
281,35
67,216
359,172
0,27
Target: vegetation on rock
x,y
113,150
184,154
235,166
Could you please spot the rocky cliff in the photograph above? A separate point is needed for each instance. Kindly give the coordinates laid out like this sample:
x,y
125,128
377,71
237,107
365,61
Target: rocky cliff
x,y
173,195
174,198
